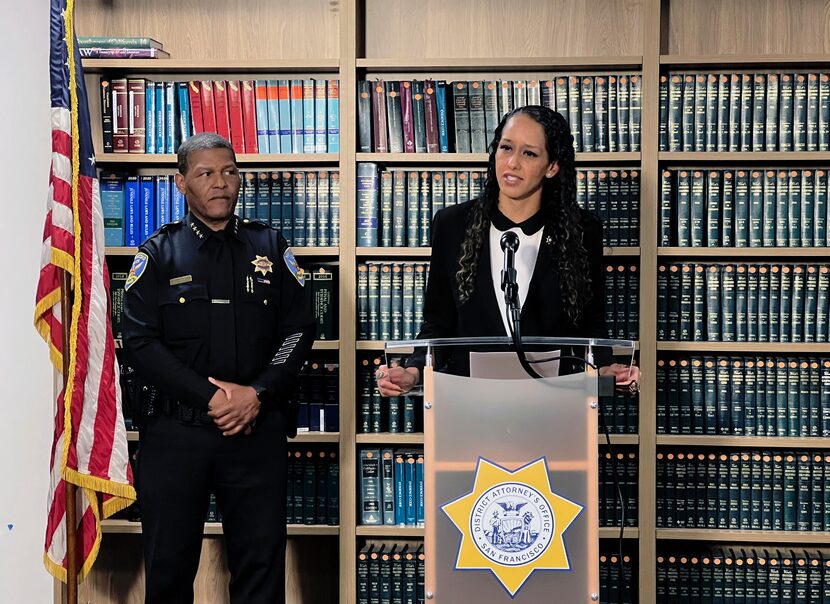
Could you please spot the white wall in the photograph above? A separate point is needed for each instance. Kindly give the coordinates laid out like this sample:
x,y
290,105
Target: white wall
x,y
25,373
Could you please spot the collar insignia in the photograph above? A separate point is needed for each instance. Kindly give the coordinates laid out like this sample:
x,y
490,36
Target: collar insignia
x,y
262,265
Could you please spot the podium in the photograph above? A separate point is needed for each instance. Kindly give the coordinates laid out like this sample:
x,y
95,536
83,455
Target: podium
x,y
511,475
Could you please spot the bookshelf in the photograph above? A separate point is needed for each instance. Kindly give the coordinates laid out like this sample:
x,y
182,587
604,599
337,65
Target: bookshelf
x,y
354,40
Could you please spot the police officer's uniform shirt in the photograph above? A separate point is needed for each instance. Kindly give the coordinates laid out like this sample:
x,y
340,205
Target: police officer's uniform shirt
x,y
224,304
530,237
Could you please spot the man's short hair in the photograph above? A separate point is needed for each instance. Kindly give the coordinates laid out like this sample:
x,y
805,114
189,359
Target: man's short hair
x,y
201,142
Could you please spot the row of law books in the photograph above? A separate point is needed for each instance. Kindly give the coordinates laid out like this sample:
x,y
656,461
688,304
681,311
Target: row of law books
x,y
620,413
437,116
106,47
745,112
743,303
620,469
744,490
617,583
317,397
256,116
744,207
390,299
395,207
320,283
304,205
391,573
313,493
622,301
612,194
742,574
391,484
394,414
744,396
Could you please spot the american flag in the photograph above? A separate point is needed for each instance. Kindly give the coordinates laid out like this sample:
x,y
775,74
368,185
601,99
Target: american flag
x,y
90,442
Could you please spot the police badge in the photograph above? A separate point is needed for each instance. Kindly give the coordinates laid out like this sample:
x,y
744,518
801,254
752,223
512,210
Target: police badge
x,y
262,265
291,263
136,270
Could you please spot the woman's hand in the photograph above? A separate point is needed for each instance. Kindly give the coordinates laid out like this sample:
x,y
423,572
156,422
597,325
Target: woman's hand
x,y
624,375
396,381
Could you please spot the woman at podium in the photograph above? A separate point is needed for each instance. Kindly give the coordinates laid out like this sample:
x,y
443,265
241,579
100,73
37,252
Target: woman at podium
x,y
530,191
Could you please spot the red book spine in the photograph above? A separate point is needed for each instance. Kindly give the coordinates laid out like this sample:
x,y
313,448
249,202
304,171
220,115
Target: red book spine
x,y
407,118
121,119
208,107
431,117
137,141
381,139
235,111
195,92
220,97
249,116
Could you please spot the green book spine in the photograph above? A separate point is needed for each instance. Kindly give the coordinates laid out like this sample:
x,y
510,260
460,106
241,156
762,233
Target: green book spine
x,y
737,395
812,112
636,96
684,378
729,117
385,302
461,116
419,116
710,396
634,209
574,112
696,224
711,136
374,302
800,113
724,396
600,114
478,127
399,204
816,492
808,203
386,209
666,198
752,303
728,209
685,303
713,208
766,491
683,208
797,318
713,296
785,305
764,304
746,112
790,492
785,113
741,303
745,482
771,125
756,208
675,113
613,124
688,109
698,419
662,302
424,209
822,303
324,292
824,112
412,208
760,397
698,327
734,481
309,488
699,121
777,492
759,110
728,304
756,491
820,209
370,487
491,110
741,208
768,212
588,118
794,212
363,302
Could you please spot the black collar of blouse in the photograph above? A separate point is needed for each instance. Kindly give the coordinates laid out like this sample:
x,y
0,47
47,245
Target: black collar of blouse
x,y
529,227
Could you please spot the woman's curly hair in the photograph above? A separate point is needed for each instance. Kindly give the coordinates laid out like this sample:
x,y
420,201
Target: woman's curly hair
x,y
562,215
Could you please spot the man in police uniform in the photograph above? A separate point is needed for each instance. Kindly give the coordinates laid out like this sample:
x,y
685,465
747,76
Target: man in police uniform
x,y
217,327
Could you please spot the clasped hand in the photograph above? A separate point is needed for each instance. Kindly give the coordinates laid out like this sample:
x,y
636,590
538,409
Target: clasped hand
x,y
234,407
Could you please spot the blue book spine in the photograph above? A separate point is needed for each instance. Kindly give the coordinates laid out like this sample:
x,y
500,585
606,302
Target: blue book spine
x,y
320,110
276,200
273,109
147,213
297,128
419,491
285,116
308,116
150,116
171,117
177,201
184,111
400,496
132,224
333,115
287,200
299,239
162,200
112,204
367,205
161,121
441,106
262,122
409,477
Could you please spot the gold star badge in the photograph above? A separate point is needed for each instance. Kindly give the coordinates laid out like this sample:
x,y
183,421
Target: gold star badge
x,y
262,265
512,523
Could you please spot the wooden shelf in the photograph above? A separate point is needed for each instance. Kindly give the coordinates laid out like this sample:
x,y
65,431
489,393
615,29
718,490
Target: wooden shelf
x,y
215,528
734,157
731,62
398,438
752,347
630,532
326,345
371,345
506,63
620,251
745,252
302,437
702,440
394,252
772,537
298,251
241,158
390,531
620,439
193,66
315,437
481,158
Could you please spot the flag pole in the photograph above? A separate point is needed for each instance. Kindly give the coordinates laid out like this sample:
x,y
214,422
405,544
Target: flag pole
x,y
70,489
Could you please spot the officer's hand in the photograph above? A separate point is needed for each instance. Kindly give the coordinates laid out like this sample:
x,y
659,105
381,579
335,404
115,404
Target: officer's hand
x,y
238,412
395,381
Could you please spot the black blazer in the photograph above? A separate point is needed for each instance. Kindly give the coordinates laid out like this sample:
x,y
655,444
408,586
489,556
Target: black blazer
x,y
542,312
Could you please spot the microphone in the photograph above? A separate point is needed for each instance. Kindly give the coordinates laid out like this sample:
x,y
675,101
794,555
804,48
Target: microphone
x,y
509,245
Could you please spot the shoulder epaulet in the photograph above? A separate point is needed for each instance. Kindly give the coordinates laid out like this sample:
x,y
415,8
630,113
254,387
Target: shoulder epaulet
x,y
258,224
169,227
